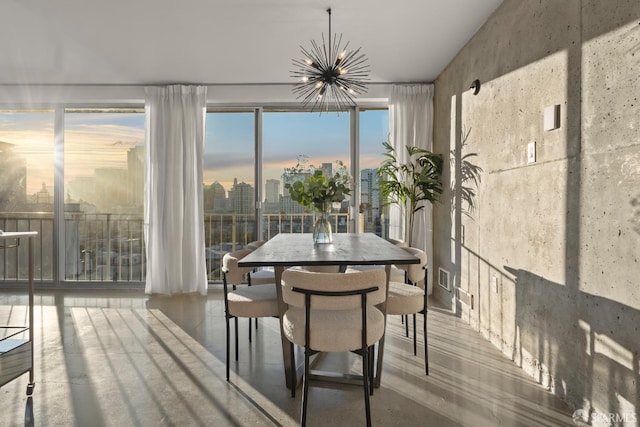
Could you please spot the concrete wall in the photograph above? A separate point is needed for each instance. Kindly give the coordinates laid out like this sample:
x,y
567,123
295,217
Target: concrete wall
x,y
550,253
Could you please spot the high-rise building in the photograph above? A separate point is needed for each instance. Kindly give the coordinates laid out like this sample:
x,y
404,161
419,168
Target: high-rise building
x,y
215,198
370,202
272,196
288,205
242,198
327,169
13,179
111,189
272,191
135,169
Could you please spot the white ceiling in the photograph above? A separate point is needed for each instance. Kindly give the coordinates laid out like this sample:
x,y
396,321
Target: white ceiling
x,y
224,41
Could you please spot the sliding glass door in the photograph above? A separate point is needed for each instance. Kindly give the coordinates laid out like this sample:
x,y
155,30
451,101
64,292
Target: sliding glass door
x,y
312,141
76,175
103,195
229,184
26,189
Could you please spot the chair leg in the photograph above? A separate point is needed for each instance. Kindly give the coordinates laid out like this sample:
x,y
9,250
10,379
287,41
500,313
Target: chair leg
x,y
228,345
305,388
426,350
250,329
371,364
365,380
405,320
236,336
294,380
415,342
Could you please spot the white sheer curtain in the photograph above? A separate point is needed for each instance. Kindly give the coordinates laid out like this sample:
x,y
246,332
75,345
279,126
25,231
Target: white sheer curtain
x,y
173,215
411,123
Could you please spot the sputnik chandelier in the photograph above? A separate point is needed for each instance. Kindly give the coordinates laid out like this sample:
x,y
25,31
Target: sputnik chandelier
x,y
330,76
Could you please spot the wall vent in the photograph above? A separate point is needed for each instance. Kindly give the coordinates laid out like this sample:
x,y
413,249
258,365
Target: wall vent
x,y
443,278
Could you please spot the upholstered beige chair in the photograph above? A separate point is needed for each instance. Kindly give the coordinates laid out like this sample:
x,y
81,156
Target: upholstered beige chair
x,y
396,275
397,242
262,276
243,300
334,312
408,297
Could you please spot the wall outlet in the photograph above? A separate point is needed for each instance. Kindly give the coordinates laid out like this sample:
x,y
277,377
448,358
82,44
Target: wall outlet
x,y
494,284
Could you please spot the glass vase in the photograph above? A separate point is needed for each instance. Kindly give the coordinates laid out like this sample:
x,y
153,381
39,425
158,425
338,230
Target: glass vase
x,y
322,225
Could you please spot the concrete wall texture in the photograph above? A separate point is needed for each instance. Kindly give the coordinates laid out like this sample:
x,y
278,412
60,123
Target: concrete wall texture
x,y
550,252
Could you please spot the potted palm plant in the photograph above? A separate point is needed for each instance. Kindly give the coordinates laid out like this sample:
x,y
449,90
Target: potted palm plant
x,y
407,183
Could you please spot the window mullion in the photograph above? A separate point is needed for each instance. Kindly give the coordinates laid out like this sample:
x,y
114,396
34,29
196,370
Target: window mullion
x,y
58,197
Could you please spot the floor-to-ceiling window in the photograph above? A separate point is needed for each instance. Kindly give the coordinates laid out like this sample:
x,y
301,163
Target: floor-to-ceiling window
x,y
229,184
101,168
103,194
26,188
373,131
312,141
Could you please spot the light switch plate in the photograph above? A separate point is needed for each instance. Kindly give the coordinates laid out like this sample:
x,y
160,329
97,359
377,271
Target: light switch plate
x,y
552,117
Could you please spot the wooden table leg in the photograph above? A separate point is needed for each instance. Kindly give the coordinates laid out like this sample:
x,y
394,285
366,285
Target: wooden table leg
x,y
383,307
282,308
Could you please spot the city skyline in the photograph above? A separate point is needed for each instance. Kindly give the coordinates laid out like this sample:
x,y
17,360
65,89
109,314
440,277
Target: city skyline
x,y
101,140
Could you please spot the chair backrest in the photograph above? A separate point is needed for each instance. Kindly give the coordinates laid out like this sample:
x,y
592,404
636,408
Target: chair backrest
x,y
255,244
416,272
233,274
322,268
399,243
333,282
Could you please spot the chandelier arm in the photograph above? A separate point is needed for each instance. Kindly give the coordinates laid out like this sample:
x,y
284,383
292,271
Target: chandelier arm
x,y
330,74
317,55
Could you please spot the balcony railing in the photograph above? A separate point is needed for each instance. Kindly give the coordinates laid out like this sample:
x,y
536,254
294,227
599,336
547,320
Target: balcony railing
x,y
110,247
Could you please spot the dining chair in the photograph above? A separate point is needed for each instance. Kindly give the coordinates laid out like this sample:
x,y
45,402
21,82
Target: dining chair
x,y
396,274
409,297
398,242
259,277
241,300
334,312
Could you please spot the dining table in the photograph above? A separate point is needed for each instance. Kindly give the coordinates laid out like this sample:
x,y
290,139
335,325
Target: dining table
x,y
287,250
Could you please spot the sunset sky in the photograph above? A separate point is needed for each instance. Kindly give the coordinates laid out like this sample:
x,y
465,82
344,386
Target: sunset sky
x,y
95,140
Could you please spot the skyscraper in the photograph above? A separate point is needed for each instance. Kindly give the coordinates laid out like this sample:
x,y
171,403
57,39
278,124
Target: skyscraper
x,y
215,198
13,180
272,190
135,169
272,196
370,199
241,197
